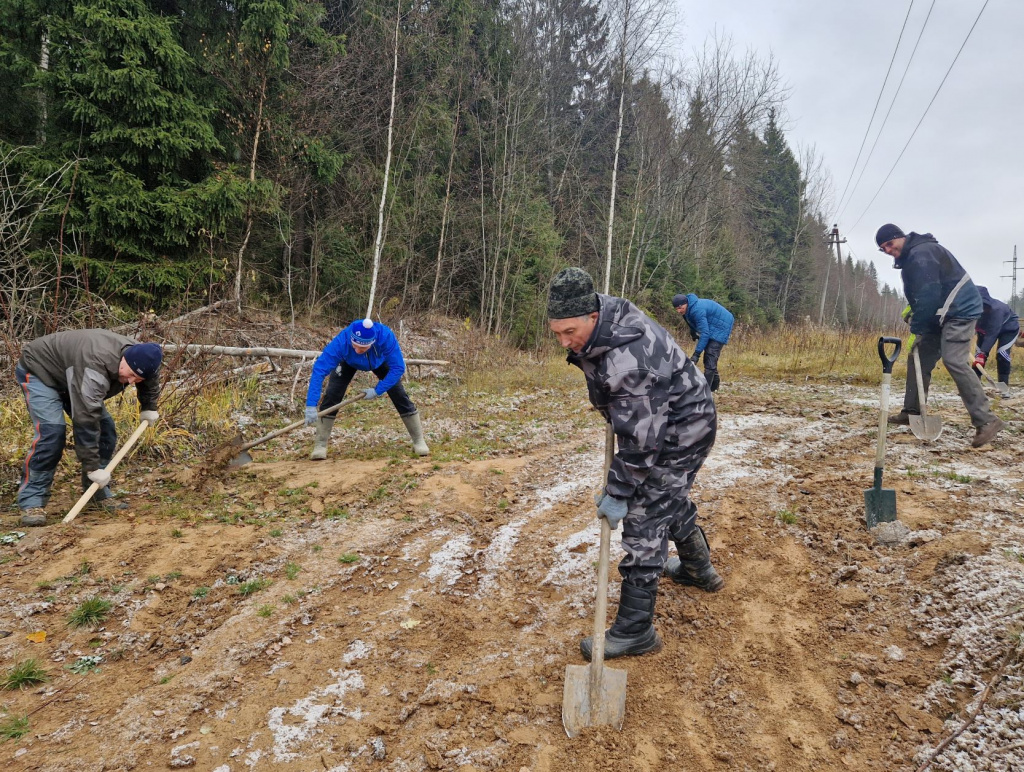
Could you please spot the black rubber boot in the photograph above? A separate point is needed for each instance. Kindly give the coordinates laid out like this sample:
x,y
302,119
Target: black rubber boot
x,y
633,630
693,566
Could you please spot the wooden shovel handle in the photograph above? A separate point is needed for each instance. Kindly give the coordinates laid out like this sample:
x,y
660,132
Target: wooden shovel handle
x,y
109,468
601,604
297,424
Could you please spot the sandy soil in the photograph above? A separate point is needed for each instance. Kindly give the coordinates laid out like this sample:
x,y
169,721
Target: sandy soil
x,y
443,643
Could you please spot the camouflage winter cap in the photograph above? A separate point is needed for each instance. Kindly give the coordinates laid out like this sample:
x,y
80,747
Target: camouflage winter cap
x,y
571,294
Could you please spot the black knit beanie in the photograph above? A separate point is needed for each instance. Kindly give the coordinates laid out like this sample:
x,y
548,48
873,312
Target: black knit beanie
x,y
571,294
888,232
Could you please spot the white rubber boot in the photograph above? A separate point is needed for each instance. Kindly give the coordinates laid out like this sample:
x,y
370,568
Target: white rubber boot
x,y
412,423
323,434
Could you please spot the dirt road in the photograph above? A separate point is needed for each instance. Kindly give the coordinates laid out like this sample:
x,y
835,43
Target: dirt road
x,y
411,614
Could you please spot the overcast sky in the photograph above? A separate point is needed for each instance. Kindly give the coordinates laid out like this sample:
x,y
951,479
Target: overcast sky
x,y
960,177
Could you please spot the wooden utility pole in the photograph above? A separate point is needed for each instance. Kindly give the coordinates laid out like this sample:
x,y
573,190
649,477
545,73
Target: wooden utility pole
x,y
841,299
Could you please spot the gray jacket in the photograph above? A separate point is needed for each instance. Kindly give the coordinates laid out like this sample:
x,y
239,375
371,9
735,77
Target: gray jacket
x,y
659,404
82,365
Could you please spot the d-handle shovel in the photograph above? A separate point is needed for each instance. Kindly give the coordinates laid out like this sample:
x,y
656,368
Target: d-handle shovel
x,y
242,456
924,426
879,502
109,468
595,695
1002,388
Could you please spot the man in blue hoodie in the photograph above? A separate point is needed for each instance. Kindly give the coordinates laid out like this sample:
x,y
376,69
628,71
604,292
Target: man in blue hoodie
x,y
363,345
998,326
710,325
944,306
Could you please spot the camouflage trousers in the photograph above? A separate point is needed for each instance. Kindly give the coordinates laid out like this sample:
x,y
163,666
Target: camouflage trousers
x,y
659,512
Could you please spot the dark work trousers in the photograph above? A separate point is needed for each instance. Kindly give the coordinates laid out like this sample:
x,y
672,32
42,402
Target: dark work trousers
x,y
46,409
1004,345
341,377
711,353
661,511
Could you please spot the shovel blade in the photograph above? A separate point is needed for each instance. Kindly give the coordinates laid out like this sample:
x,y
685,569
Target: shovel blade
x,y
926,427
879,506
241,459
608,708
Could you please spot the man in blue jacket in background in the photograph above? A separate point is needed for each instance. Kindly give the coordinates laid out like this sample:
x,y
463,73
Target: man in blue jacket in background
x,y
363,345
998,326
944,306
710,325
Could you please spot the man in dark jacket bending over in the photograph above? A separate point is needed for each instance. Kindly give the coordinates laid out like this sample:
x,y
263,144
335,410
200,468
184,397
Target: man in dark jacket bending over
x,y
944,305
73,372
661,411
999,324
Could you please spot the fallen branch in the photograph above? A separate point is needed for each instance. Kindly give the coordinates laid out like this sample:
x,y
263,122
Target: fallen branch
x,y
973,714
259,351
209,380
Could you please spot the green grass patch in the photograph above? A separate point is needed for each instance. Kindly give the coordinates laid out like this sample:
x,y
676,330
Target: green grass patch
x,y
84,665
253,586
13,727
266,610
200,592
292,569
289,600
787,516
26,673
348,557
90,613
275,532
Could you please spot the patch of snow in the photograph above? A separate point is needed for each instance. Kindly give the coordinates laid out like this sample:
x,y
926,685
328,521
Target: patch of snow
x,y
311,712
446,561
356,650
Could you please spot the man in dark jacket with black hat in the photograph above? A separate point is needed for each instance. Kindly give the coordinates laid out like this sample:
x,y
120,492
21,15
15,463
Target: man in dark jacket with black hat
x,y
998,326
73,372
661,411
944,306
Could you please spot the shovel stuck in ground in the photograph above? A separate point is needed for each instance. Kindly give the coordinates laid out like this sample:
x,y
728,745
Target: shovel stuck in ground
x,y
924,426
879,502
240,451
595,695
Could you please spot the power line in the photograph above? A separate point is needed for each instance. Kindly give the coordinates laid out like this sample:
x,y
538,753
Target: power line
x,y
877,102
889,111
929,107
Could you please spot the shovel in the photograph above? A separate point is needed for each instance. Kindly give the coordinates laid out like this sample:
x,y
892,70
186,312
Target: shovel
x,y
595,695
879,502
1002,388
71,515
241,450
924,426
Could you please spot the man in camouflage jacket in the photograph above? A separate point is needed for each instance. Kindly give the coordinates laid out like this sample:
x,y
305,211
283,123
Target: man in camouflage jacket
x,y
663,417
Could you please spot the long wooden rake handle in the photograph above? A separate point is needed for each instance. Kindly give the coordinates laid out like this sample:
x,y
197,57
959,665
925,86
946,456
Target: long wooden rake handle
x,y
109,469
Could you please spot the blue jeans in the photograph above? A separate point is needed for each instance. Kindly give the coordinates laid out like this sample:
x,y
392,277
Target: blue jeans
x,y
46,409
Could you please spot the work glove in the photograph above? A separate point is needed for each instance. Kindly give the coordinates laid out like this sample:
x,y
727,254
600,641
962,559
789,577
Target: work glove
x,y
370,394
980,358
101,477
906,313
695,358
311,412
911,342
149,415
612,509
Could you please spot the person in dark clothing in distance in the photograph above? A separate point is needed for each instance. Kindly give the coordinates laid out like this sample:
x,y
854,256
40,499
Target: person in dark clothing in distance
x,y
997,326
710,325
944,307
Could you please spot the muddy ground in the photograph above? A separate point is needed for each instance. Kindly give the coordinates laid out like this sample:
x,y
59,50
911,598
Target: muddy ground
x,y
419,614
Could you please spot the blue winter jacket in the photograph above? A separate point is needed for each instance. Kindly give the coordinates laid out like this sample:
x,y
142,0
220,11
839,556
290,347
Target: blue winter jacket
x,y
710,320
936,285
385,350
996,317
